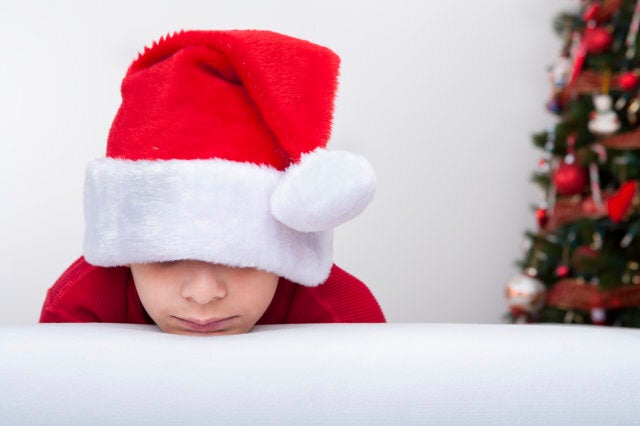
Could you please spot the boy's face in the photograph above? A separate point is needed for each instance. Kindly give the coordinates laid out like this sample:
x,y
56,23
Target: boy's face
x,y
200,298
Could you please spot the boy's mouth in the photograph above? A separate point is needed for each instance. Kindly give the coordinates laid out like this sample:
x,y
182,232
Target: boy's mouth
x,y
205,325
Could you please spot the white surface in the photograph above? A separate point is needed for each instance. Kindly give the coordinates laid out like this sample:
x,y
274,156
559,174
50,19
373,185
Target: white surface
x,y
389,374
441,97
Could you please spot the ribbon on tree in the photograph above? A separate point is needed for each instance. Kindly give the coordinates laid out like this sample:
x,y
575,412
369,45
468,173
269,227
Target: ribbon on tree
x,y
569,209
571,293
623,141
589,82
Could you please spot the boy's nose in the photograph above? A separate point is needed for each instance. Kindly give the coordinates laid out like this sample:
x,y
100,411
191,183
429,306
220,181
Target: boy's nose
x,y
204,285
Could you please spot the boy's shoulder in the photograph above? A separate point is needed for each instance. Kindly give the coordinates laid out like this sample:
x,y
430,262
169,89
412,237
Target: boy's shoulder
x,y
341,298
88,293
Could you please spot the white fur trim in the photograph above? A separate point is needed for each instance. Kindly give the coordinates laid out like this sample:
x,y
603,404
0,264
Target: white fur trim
x,y
324,190
212,210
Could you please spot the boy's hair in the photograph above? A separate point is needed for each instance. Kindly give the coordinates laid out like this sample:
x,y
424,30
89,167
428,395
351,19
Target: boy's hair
x,y
217,153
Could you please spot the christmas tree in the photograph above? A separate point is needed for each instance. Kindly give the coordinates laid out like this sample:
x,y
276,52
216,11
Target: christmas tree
x,y
582,264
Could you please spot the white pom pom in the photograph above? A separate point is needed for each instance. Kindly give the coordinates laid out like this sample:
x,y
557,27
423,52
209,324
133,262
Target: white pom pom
x,y
323,190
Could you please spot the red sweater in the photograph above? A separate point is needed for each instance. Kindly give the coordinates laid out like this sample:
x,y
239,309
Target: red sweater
x,y
87,293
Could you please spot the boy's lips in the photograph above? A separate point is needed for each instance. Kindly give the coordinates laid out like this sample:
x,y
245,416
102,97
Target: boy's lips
x,y
205,325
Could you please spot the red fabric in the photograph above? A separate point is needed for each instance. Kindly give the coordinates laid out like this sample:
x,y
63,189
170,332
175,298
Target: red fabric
x,y
247,96
87,293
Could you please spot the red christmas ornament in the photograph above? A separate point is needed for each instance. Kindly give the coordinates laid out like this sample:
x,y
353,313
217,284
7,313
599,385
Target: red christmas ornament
x,y
618,204
562,271
570,179
591,12
628,81
542,217
596,40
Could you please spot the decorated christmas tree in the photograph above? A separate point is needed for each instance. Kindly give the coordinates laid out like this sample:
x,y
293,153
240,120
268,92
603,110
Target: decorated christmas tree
x,y
582,264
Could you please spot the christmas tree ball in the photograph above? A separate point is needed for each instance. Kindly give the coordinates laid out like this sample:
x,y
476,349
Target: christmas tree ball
x,y
628,81
542,217
562,271
570,179
597,40
525,294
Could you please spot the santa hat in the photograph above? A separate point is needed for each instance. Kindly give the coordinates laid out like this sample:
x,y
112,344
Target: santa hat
x,y
217,153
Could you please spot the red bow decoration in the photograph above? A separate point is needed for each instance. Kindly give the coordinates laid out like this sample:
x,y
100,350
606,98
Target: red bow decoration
x,y
619,204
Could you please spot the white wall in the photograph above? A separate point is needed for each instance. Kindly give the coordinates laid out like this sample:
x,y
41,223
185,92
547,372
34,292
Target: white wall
x,y
441,97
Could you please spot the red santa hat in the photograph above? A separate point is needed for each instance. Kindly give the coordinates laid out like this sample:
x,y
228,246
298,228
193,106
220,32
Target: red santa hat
x,y
217,153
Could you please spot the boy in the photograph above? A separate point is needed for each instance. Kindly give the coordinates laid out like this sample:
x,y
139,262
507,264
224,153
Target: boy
x,y
215,205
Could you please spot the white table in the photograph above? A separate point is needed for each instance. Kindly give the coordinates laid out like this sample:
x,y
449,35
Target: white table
x,y
391,374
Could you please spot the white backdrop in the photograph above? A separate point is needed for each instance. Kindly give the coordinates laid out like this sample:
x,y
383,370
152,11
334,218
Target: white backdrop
x,y
441,97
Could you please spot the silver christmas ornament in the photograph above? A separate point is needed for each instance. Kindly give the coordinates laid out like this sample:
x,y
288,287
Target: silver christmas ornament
x,y
525,294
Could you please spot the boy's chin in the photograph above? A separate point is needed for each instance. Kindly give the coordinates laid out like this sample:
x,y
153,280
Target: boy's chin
x,y
183,332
